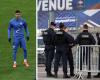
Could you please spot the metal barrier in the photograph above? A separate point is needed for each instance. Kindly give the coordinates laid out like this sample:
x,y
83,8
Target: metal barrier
x,y
87,59
41,57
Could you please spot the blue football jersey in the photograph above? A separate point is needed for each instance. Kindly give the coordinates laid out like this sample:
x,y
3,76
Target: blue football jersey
x,y
18,26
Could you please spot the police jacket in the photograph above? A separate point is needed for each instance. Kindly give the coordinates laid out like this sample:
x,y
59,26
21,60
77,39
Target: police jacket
x,y
48,36
63,38
85,38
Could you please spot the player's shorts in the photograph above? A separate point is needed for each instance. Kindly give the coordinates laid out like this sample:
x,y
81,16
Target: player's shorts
x,y
19,42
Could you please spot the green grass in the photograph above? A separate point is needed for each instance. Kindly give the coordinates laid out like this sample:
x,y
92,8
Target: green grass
x,y
7,8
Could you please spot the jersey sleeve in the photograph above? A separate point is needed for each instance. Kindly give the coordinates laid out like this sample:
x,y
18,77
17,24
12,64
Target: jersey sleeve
x,y
26,29
9,30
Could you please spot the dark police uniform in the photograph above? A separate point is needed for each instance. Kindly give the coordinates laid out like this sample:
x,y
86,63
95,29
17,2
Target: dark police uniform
x,y
85,38
48,39
62,41
98,39
70,59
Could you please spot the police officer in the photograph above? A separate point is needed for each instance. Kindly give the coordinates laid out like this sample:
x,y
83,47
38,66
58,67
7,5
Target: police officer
x,y
48,38
70,57
98,39
85,38
62,41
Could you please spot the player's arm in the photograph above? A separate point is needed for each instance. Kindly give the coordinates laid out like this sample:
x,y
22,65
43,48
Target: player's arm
x,y
9,31
26,30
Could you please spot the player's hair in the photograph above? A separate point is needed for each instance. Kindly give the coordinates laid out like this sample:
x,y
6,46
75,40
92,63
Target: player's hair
x,y
17,11
85,26
61,25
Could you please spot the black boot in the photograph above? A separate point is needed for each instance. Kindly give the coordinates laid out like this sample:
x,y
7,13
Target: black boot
x,y
97,76
49,74
56,75
66,76
72,74
89,75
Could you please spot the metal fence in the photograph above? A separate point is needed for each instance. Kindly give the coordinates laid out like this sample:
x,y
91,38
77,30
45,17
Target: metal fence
x,y
87,59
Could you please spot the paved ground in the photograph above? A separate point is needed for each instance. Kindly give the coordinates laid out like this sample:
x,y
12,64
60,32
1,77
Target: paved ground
x,y
42,75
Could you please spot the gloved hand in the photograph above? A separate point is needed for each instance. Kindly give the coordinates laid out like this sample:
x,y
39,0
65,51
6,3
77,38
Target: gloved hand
x,y
97,34
27,38
9,39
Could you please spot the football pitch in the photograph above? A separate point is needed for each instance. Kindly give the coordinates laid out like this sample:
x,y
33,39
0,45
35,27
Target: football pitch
x,y
7,8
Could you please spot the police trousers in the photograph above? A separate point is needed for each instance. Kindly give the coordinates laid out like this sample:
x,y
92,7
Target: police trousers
x,y
70,60
61,52
49,55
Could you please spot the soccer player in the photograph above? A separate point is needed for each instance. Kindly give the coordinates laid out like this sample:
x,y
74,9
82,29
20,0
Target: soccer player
x,y
18,25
